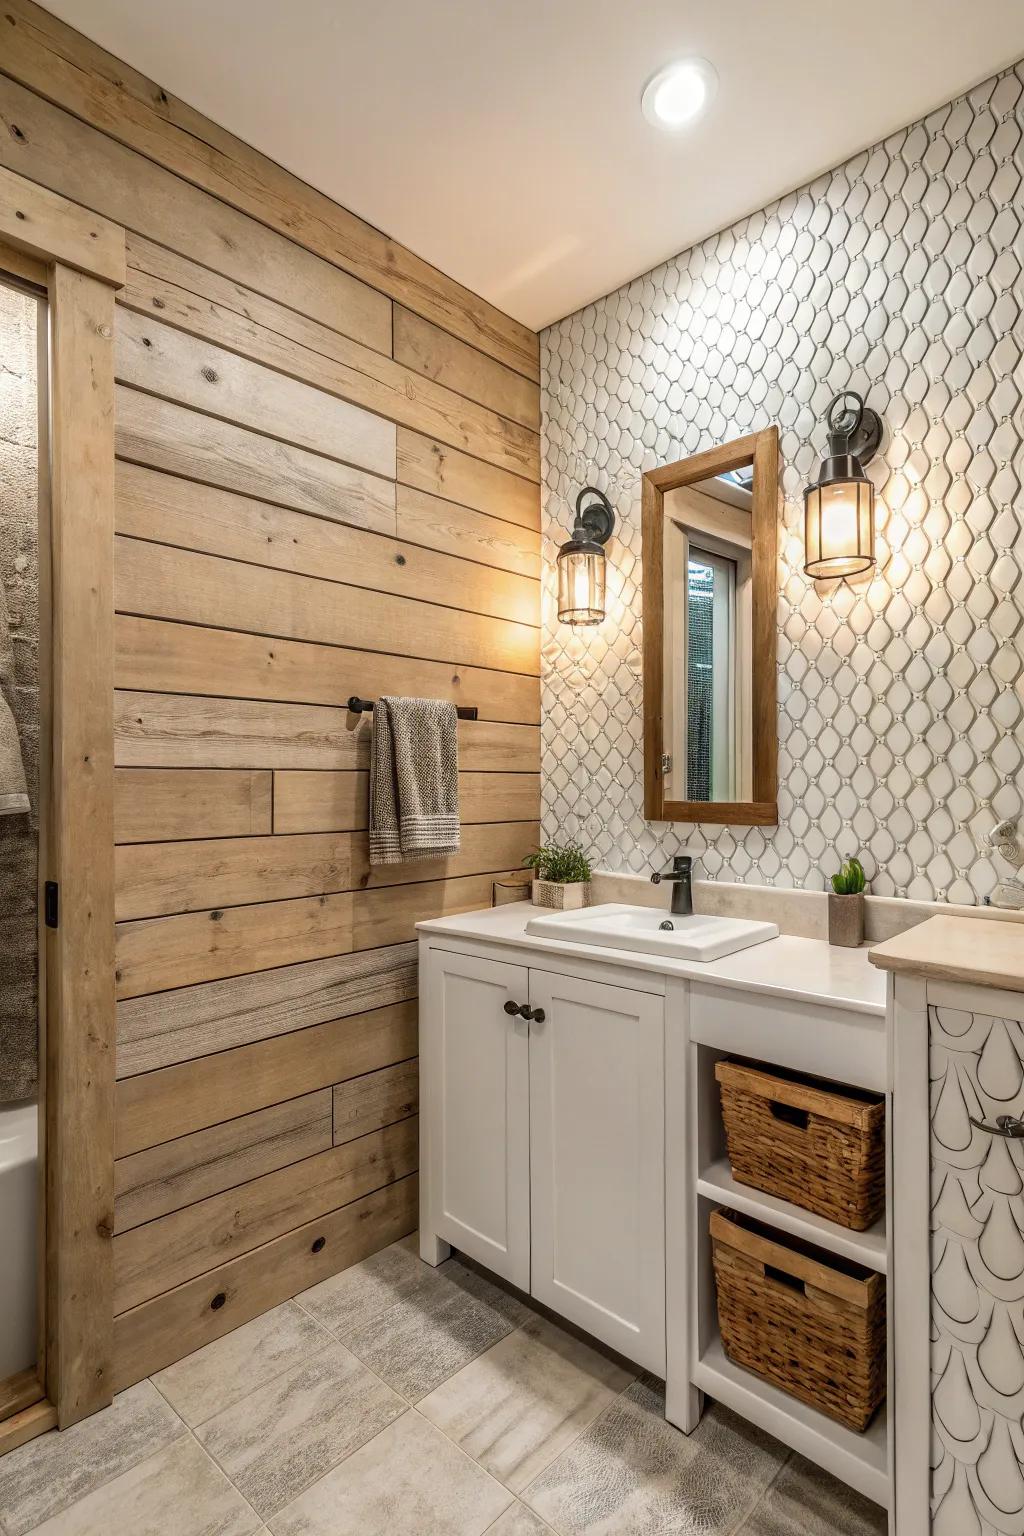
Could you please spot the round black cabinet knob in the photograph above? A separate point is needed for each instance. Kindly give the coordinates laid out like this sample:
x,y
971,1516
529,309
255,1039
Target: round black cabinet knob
x,y
536,1014
512,1009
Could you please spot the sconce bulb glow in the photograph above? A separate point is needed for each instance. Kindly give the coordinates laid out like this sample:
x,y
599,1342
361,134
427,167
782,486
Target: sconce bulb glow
x,y
677,94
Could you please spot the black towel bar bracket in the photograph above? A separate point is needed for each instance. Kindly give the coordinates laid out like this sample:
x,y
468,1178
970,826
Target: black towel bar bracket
x,y
363,706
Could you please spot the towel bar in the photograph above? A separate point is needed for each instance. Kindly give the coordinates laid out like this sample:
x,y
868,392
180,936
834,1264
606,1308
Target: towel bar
x,y
361,706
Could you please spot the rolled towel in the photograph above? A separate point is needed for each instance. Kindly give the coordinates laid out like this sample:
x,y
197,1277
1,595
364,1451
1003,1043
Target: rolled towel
x,y
414,780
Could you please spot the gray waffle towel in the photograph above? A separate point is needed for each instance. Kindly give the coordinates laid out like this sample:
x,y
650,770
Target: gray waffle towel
x,y
414,780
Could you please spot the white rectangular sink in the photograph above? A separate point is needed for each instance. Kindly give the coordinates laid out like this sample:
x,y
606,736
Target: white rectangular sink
x,y
652,931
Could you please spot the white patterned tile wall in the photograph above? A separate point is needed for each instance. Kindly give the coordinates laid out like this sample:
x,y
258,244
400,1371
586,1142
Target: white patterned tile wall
x,y
901,699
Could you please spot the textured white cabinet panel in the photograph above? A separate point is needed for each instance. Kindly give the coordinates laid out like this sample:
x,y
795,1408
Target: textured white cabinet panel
x,y
977,1069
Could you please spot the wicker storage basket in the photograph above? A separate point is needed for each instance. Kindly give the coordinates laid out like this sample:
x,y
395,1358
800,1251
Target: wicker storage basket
x,y
807,1321
806,1141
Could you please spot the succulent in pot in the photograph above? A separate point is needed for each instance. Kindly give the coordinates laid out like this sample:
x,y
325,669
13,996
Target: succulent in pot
x,y
846,905
561,876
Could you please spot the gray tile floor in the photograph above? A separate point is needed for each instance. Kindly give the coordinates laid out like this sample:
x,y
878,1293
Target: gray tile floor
x,y
399,1399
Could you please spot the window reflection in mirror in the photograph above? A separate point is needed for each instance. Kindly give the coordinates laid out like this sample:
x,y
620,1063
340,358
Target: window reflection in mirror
x,y
710,570
707,664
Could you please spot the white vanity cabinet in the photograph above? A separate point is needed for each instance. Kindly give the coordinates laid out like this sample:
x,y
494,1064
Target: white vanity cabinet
x,y
543,1151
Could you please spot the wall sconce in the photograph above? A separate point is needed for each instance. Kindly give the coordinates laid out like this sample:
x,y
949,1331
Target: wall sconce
x,y
581,562
839,507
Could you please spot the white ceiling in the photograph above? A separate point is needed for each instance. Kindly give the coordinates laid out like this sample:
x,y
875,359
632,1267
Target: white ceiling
x,y
502,140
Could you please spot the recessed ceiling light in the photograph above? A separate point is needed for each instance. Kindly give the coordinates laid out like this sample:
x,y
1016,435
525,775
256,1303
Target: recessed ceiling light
x,y
679,93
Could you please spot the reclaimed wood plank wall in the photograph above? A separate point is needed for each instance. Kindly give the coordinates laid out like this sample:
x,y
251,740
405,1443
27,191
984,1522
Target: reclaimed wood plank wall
x,y
327,483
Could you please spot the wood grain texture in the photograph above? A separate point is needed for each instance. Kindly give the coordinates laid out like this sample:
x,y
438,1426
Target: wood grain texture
x,y
166,1178
157,954
171,437
45,53
438,355
158,730
160,1106
153,506
176,1248
170,363
428,465
21,1390
78,955
182,1320
156,581
438,524
52,229
26,1425
164,804
166,286
311,801
364,1104
157,879
166,657
154,1032
66,155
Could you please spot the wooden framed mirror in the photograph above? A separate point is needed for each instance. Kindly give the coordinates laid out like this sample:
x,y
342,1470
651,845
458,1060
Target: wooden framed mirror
x,y
710,530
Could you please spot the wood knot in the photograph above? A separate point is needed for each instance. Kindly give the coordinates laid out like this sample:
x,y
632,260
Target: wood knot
x,y
159,304
16,133
210,375
18,214
146,341
215,917
399,559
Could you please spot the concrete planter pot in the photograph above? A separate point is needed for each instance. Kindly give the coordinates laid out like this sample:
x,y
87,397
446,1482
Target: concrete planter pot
x,y
846,920
563,898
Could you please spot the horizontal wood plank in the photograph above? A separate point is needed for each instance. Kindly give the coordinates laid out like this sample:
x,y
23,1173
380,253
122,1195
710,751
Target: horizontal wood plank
x,y
92,169
176,366
177,1173
157,879
427,465
67,67
156,581
159,804
204,304
180,1321
168,510
154,655
438,524
364,1104
438,355
50,228
181,441
183,1244
311,801
163,730
154,1032
157,954
174,1101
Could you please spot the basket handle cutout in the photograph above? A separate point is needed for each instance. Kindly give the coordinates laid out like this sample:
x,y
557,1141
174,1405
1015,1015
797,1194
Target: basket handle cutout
x,y
789,1115
781,1276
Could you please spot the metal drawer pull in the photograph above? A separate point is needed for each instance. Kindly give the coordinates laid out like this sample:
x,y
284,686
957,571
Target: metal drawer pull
x,y
524,1011
1010,1126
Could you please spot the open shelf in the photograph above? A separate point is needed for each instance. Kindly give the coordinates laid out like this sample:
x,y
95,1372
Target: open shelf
x,y
868,1248
860,1461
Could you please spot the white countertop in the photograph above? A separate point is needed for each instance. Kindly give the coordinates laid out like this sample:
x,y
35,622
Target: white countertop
x,y
802,969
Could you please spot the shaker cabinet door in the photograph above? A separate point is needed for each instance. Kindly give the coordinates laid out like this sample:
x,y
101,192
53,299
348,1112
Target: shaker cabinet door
x,y
597,1157
475,1086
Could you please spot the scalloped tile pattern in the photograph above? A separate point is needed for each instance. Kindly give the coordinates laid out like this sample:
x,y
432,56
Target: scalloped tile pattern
x,y
900,700
977,1068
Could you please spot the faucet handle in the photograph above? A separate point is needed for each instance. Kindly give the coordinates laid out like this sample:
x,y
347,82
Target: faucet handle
x,y
680,866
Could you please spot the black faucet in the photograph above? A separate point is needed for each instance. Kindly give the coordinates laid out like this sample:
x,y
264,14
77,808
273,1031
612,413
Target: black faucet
x,y
682,891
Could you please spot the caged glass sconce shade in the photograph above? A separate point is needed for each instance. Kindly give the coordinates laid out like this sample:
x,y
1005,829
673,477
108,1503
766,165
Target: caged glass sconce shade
x,y
839,507
581,561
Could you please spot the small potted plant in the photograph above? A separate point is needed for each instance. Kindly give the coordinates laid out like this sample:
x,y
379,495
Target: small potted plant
x,y
846,905
561,876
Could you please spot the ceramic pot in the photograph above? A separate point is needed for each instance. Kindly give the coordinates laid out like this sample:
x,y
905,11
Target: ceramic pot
x,y
846,920
564,898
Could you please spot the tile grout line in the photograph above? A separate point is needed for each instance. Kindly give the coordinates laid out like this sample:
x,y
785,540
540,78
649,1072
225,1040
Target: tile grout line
x,y
738,1528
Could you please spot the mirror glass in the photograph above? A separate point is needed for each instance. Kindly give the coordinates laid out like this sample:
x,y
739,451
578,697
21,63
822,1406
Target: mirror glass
x,y
707,562
710,527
